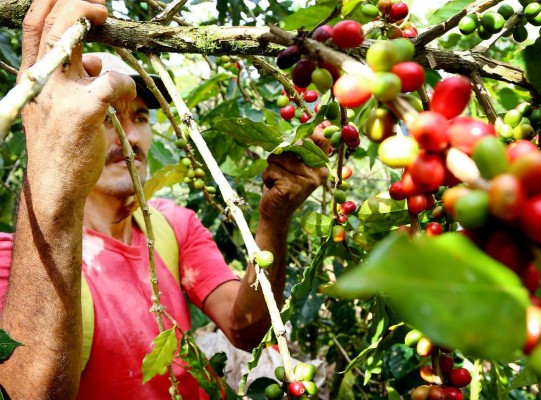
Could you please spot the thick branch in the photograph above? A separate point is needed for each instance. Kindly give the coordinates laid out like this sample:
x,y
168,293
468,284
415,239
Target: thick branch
x,y
242,41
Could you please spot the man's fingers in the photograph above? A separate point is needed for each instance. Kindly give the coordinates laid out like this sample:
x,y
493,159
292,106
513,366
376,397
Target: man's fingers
x,y
113,86
320,140
64,14
92,64
32,29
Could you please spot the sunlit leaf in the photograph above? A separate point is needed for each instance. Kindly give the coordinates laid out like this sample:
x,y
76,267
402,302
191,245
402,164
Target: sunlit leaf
x,y
441,285
316,224
307,17
209,88
250,133
533,64
309,153
156,362
448,10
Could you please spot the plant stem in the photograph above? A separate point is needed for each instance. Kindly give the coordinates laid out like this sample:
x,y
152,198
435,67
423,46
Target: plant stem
x,y
232,200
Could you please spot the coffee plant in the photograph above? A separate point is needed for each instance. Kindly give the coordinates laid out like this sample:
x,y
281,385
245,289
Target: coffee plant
x,y
414,272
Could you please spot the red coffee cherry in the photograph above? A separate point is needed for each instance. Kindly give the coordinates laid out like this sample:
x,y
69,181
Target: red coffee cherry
x,y
517,149
348,207
288,112
342,219
346,172
333,69
288,57
410,32
348,34
436,393
411,74
310,96
428,172
460,377
452,393
446,364
433,229
465,132
302,73
304,118
352,91
430,129
396,191
451,96
398,12
506,197
417,203
322,33
296,388
531,278
531,218
350,134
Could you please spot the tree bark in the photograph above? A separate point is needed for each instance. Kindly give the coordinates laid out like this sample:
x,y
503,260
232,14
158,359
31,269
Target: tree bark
x,y
242,41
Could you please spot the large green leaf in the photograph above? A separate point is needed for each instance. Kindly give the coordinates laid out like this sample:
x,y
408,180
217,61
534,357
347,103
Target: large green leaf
x,y
307,18
533,64
160,357
448,10
309,153
250,133
208,89
449,289
167,176
7,345
316,224
305,130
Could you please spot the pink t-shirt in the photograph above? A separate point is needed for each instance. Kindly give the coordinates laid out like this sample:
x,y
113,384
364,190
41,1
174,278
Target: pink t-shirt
x,y
124,328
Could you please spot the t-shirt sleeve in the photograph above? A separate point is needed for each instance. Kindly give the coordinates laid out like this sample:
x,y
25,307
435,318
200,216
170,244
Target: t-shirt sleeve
x,y
202,266
6,249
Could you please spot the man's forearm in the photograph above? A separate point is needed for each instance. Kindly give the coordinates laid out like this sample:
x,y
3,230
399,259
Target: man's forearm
x,y
250,307
42,306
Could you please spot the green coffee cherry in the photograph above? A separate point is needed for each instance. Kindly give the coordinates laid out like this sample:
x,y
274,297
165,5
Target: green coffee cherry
x,y
191,173
404,49
532,10
523,132
490,157
280,373
468,24
520,33
274,392
370,10
186,162
210,189
412,337
506,11
199,172
483,33
471,210
282,101
381,56
180,143
493,22
330,130
350,114
512,118
322,78
305,372
333,111
336,139
264,259
198,184
339,196
505,131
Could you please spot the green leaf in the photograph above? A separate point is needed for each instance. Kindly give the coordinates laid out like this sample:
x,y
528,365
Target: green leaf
x,y
448,10
309,153
217,362
167,176
160,357
526,377
443,285
533,64
159,156
316,224
373,153
349,6
250,133
305,130
210,88
384,211
7,345
347,387
307,17
267,341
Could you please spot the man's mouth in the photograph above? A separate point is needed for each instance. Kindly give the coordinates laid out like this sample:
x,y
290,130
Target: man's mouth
x,y
116,156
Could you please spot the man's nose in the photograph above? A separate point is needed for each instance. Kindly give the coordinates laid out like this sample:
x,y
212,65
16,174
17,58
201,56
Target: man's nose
x,y
132,131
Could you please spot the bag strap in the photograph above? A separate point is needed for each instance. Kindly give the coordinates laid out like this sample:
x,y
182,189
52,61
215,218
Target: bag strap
x,y
165,242
165,245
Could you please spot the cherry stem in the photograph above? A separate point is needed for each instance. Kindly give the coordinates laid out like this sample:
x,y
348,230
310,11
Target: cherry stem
x,y
436,370
424,98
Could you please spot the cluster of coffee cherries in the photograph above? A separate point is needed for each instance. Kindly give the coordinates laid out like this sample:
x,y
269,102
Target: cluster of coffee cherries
x,y
432,133
346,207
302,388
394,13
227,63
445,381
492,22
520,123
289,108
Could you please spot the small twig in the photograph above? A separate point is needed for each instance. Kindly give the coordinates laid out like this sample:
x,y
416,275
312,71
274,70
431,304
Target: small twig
x,y
438,30
334,13
436,370
233,200
8,68
286,83
158,5
157,308
33,80
424,97
165,16
345,355
483,97
507,28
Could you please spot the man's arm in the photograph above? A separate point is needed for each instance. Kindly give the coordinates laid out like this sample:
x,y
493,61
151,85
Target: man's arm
x,y
239,310
66,149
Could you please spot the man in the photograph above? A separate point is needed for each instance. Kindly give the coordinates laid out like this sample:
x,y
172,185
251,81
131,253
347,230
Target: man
x,y
76,180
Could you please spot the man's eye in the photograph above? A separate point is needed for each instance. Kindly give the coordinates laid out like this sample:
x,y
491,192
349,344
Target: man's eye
x,y
141,119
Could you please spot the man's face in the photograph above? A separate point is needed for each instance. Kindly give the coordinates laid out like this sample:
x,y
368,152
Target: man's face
x,y
134,118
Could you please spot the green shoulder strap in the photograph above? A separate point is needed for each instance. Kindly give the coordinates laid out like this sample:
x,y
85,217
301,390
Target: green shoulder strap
x,y
165,245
